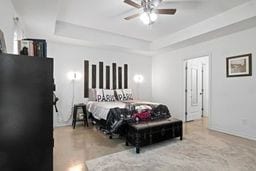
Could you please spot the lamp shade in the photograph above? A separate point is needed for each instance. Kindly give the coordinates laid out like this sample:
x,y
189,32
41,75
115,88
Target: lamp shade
x,y
138,78
74,75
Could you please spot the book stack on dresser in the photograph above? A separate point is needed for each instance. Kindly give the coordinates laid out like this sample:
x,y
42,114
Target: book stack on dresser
x,y
32,47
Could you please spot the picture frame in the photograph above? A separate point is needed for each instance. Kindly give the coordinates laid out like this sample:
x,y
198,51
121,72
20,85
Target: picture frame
x,y
239,66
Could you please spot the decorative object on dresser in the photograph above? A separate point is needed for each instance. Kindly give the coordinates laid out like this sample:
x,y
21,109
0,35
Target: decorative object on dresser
x,y
79,114
2,42
32,47
121,72
238,66
146,133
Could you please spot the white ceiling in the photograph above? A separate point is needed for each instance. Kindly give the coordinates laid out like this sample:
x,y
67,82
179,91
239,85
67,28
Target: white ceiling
x,y
100,23
107,15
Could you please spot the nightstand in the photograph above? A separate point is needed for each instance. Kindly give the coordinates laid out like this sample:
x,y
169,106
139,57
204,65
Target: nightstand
x,y
77,118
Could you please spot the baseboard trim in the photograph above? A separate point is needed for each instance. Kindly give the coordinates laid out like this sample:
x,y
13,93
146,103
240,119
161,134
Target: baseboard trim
x,y
62,125
232,132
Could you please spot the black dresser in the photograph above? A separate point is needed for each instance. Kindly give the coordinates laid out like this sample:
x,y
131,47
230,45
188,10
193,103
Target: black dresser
x,y
26,113
146,133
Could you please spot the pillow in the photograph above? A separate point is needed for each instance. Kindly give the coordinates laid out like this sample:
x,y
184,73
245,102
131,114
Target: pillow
x,y
92,94
109,95
127,94
99,95
119,95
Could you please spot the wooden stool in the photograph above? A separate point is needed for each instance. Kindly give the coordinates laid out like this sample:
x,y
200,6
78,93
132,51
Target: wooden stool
x,y
85,120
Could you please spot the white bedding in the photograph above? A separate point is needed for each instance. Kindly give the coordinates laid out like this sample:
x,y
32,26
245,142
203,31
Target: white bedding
x,y
141,102
100,110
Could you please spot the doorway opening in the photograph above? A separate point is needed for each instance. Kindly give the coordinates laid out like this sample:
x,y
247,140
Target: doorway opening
x,y
196,88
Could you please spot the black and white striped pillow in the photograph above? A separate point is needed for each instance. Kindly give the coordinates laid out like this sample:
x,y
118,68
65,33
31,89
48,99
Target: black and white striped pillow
x,y
119,95
109,95
127,93
100,95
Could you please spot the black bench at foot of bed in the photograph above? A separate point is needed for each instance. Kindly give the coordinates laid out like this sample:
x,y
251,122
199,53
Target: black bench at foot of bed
x,y
146,133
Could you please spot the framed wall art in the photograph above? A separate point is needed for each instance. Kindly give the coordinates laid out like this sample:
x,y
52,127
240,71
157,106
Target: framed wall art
x,y
238,66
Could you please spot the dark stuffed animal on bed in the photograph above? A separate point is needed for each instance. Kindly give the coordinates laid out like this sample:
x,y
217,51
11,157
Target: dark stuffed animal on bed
x,y
160,112
117,120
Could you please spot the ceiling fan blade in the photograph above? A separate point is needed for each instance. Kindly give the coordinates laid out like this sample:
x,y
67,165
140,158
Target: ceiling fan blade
x,y
165,11
134,4
132,16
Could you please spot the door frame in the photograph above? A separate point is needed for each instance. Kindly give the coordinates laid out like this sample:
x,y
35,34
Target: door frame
x,y
209,86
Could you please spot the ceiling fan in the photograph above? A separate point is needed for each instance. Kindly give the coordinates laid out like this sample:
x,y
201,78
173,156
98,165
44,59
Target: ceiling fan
x,y
149,12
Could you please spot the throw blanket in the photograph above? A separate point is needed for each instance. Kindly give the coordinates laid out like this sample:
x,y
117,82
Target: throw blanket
x,y
135,112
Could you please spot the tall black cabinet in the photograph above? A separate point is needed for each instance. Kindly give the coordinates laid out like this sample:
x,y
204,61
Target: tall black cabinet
x,y
26,113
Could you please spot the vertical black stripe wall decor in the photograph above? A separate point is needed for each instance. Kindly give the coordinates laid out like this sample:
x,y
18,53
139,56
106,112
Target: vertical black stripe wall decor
x,y
107,77
101,74
120,78
114,76
94,76
86,79
125,76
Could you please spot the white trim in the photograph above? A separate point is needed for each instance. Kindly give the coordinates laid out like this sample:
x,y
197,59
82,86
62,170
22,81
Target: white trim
x,y
62,125
232,132
209,85
210,91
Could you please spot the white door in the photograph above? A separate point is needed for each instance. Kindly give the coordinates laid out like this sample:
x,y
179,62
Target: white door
x,y
194,90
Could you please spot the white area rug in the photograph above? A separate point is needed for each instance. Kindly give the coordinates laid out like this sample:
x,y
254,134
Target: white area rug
x,y
194,153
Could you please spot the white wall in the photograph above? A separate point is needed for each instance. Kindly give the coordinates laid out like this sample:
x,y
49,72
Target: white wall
x,y
233,100
7,13
71,58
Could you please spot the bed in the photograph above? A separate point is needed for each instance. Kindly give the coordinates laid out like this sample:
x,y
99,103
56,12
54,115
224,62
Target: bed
x,y
118,108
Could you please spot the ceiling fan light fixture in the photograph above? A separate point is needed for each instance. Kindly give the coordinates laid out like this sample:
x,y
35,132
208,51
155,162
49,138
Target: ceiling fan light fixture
x,y
148,10
145,18
153,16
148,18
